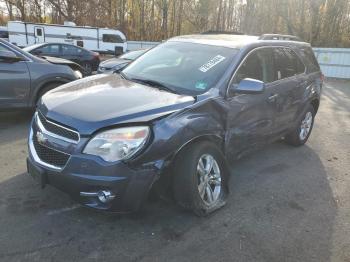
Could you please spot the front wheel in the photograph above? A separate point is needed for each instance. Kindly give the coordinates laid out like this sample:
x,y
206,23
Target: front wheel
x,y
200,180
302,131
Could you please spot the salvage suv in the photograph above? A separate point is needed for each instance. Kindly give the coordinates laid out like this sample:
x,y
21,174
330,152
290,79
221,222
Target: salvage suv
x,y
173,119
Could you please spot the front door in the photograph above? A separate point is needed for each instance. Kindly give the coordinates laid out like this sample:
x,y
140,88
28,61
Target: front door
x,y
250,117
15,82
39,34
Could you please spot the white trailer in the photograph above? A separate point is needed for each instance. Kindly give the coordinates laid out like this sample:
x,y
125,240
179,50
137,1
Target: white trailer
x,y
102,40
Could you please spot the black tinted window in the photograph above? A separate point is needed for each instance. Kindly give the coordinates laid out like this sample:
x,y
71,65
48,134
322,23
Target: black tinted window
x,y
258,65
310,59
109,38
39,32
4,34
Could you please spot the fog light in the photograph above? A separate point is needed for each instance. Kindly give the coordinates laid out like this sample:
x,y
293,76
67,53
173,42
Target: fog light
x,y
105,196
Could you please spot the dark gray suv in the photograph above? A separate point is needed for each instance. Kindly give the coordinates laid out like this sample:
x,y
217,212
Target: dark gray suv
x,y
173,119
25,78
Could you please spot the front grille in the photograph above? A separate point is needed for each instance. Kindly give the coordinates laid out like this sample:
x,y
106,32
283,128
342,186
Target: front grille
x,y
57,129
50,156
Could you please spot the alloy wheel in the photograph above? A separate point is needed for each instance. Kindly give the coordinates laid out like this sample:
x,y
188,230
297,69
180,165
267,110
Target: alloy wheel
x,y
305,127
209,179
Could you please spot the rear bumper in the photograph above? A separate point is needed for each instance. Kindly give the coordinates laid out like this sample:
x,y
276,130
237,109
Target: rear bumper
x,y
87,174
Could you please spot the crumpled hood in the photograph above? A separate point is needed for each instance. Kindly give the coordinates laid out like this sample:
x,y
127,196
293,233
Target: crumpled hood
x,y
110,63
104,100
61,61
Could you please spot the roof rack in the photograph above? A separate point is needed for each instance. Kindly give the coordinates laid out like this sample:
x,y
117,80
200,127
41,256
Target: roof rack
x,y
215,32
279,37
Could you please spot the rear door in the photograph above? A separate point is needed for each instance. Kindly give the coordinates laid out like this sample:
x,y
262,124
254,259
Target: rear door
x,y
290,78
250,117
72,53
15,82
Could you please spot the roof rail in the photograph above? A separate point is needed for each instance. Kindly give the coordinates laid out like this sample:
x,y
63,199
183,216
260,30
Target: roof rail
x,y
279,37
215,32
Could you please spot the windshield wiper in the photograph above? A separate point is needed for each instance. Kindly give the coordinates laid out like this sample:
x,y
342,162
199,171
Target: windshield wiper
x,y
153,83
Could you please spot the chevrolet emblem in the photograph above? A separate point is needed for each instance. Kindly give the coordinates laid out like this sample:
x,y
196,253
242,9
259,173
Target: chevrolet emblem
x,y
41,138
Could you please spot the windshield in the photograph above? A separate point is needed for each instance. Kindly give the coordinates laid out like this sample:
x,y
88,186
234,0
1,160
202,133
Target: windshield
x,y
186,68
132,55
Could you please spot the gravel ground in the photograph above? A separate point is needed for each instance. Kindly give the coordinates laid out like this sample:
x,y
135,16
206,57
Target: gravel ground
x,y
286,204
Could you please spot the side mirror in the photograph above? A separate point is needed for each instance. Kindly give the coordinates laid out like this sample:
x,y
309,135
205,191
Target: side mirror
x,y
248,86
9,57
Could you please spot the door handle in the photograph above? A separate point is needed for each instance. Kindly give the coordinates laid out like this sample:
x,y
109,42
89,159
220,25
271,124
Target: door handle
x,y
272,98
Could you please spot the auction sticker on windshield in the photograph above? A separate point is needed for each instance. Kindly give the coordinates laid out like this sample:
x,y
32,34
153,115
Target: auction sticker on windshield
x,y
211,63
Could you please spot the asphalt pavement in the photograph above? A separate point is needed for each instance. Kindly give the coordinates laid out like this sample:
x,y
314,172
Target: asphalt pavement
x,y
285,204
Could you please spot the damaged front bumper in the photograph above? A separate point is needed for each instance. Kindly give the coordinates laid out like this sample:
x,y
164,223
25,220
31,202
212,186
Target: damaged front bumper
x,y
117,187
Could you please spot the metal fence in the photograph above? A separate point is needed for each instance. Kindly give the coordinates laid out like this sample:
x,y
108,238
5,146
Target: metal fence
x,y
334,62
134,45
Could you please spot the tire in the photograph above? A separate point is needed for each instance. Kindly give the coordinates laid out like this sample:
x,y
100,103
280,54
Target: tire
x,y
87,69
46,89
305,124
187,179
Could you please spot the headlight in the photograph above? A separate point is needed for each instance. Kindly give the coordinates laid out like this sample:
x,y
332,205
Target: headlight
x,y
78,74
118,144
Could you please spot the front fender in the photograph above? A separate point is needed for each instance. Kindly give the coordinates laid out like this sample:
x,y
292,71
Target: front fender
x,y
42,74
39,85
203,120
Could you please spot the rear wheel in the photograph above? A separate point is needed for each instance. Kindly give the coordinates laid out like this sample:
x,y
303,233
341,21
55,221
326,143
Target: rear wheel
x,y
200,180
302,131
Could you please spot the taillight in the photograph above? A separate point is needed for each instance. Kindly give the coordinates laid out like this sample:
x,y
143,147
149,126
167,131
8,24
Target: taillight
x,y
96,55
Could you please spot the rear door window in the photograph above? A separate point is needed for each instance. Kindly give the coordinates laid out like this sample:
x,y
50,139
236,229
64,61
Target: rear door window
x,y
309,57
293,63
258,65
71,50
50,50
286,63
